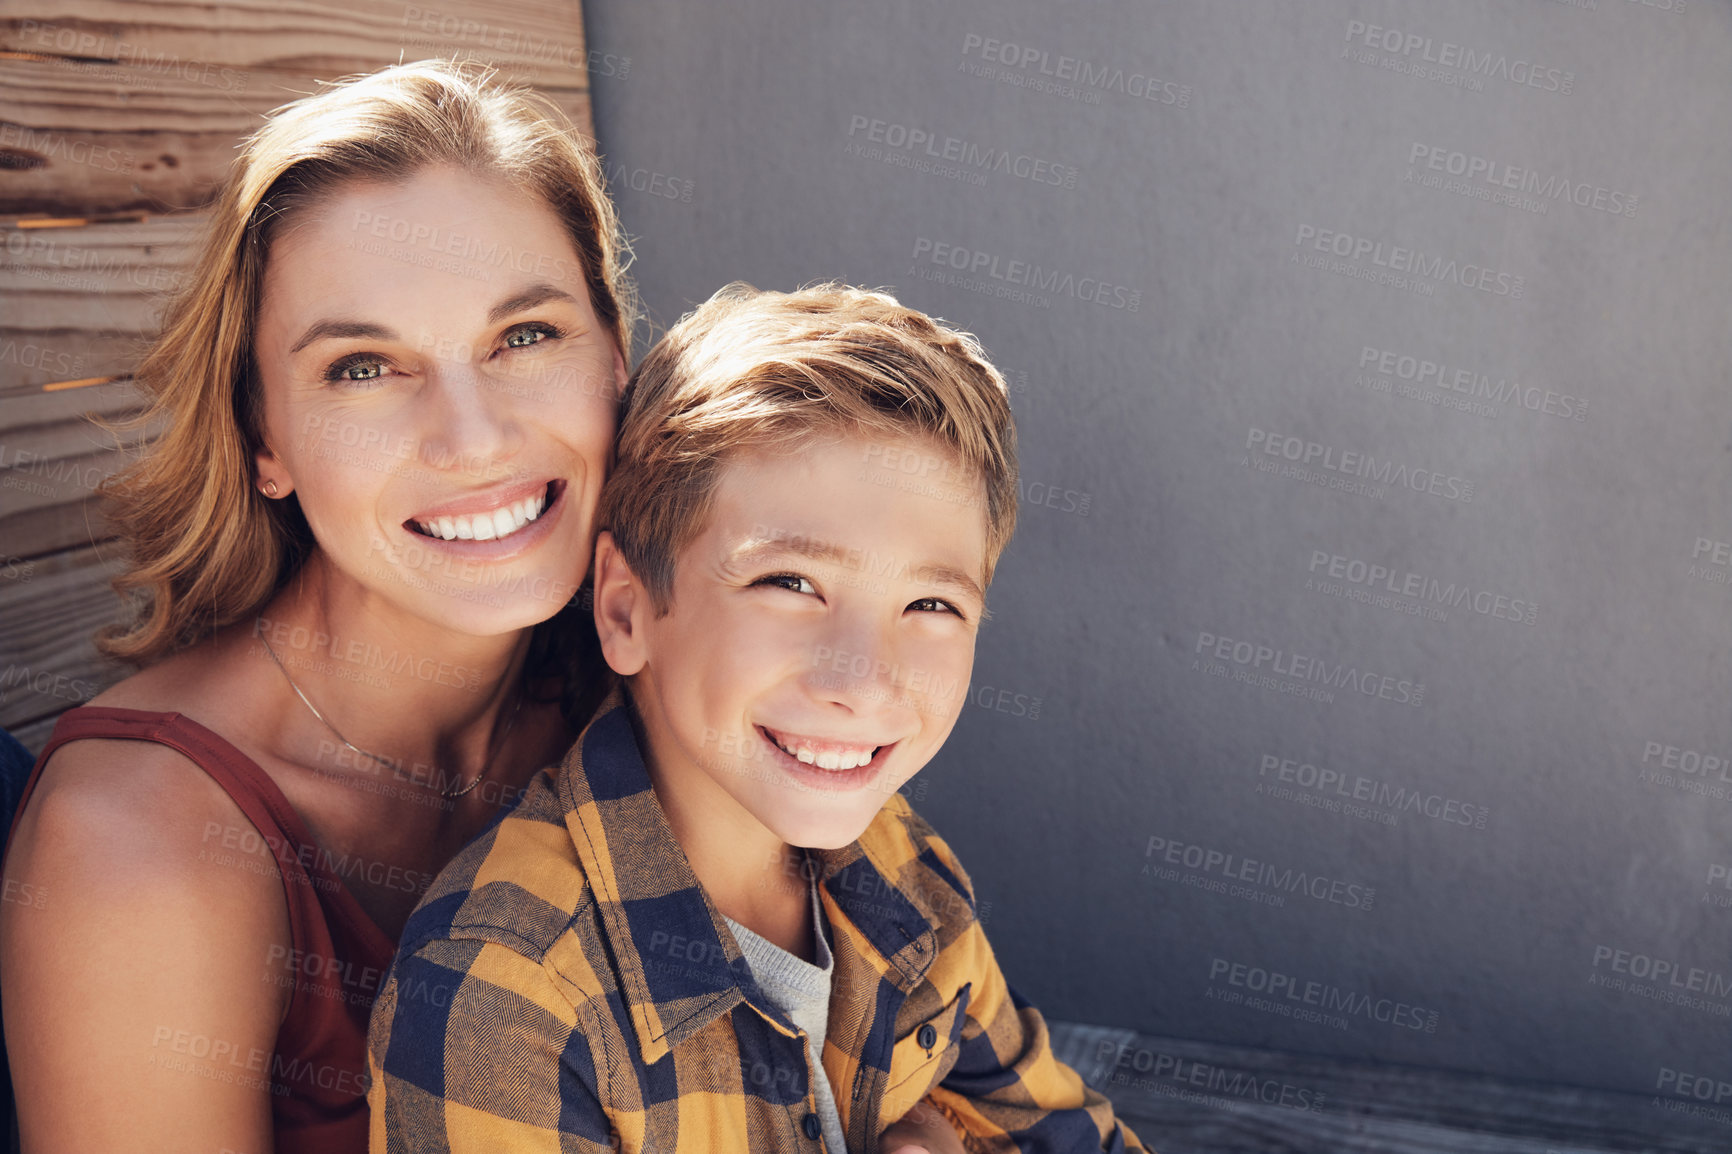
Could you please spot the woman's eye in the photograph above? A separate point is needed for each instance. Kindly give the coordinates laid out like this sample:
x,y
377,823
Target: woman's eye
x,y
356,369
791,581
526,335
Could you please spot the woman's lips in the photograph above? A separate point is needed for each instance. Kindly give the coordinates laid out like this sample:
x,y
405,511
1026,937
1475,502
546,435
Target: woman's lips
x,y
490,516
490,550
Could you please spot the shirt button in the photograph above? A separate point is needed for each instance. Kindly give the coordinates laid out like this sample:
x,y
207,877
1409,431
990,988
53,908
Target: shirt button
x,y
814,1129
927,1037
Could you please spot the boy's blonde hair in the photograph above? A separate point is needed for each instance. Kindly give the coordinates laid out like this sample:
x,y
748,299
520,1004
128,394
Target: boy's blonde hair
x,y
767,372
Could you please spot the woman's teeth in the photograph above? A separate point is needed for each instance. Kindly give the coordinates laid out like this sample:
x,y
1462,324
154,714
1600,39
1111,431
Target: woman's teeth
x,y
501,522
834,757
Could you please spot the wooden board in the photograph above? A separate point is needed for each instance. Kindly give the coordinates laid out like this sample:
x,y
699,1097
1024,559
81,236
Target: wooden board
x,y
75,304
103,111
49,608
540,41
1189,1097
69,287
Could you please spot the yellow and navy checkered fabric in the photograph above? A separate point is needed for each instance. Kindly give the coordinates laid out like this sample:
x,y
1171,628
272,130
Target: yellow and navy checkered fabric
x,y
566,985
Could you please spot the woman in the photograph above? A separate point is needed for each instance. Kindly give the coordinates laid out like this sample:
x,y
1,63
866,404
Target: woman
x,y
388,397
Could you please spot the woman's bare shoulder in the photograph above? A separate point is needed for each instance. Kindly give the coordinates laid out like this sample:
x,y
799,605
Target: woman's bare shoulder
x,y
153,917
110,815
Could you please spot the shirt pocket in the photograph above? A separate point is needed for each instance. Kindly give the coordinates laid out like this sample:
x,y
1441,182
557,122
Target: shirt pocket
x,y
920,1059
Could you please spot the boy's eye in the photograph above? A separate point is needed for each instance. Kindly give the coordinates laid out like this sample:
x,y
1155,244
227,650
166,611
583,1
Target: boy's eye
x,y
790,581
356,369
934,605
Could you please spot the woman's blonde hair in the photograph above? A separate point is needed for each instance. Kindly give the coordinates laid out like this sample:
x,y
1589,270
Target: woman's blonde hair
x,y
207,548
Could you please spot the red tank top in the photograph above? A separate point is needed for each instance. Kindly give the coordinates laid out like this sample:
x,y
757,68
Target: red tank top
x,y
337,956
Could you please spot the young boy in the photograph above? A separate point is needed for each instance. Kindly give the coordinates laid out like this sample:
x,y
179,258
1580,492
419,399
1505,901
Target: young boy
x,y
718,926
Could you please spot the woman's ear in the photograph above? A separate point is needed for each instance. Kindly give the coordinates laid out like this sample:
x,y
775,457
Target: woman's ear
x,y
622,609
270,477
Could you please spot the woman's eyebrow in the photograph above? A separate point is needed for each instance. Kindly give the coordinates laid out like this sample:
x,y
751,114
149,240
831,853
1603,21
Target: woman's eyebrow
x,y
535,294
322,329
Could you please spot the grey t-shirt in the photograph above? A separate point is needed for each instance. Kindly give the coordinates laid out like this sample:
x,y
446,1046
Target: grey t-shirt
x,y
800,990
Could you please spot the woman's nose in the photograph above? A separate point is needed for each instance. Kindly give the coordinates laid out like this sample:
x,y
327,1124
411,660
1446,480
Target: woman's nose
x,y
470,424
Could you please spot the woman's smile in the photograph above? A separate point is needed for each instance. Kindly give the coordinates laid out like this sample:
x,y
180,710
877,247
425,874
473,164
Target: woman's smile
x,y
486,516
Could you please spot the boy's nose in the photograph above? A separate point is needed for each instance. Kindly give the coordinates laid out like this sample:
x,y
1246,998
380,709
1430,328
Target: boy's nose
x,y
858,672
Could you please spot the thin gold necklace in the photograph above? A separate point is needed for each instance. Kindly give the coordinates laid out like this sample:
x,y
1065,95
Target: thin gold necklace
x,y
384,761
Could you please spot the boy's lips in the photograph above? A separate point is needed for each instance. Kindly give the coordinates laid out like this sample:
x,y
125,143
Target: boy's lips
x,y
824,753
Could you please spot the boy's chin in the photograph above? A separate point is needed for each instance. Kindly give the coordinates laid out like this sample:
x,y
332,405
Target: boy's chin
x,y
828,842
828,832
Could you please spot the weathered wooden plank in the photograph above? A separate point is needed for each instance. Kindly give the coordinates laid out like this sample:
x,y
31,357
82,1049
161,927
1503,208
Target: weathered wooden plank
x,y
106,110
50,608
49,474
1190,1097
49,505
540,41
79,304
47,370
76,437
53,526
33,735
28,407
71,143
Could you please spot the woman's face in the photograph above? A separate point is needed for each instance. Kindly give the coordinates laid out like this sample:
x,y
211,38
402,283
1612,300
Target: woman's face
x,y
440,395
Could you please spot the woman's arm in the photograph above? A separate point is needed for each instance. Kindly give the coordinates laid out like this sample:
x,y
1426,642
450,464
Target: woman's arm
x,y
141,1008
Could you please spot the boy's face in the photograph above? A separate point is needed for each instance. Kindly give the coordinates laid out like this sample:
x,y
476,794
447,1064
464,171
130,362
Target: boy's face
x,y
820,640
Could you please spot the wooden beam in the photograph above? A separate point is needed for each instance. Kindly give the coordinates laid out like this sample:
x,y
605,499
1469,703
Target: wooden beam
x,y
49,610
107,111
539,41
1206,1098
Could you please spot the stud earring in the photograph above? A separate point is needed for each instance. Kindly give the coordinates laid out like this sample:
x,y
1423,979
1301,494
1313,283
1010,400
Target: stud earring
x,y
270,488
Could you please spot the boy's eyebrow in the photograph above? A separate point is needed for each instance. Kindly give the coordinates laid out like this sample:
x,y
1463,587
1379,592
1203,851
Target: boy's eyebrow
x,y
754,550
950,575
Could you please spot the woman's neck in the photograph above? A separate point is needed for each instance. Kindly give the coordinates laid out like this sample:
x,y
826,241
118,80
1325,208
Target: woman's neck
x,y
398,687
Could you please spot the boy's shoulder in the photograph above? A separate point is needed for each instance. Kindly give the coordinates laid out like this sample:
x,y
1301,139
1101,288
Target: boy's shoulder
x,y
518,884
915,859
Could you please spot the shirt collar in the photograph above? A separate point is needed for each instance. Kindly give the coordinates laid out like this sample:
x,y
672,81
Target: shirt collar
x,y
679,967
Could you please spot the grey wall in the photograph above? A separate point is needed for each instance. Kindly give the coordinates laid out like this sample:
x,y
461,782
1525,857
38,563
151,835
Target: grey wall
x,y
1479,629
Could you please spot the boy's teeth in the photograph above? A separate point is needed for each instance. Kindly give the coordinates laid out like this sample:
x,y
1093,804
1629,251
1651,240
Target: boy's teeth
x,y
501,522
829,758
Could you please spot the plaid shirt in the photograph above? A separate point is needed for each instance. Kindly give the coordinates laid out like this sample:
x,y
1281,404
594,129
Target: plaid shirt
x,y
566,985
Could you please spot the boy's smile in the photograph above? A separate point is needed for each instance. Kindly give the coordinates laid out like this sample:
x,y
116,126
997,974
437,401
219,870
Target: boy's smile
x,y
818,646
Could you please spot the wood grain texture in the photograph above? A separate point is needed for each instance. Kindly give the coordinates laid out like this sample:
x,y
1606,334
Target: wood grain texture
x,y
49,609
75,303
1188,1097
70,143
540,41
103,110
87,295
